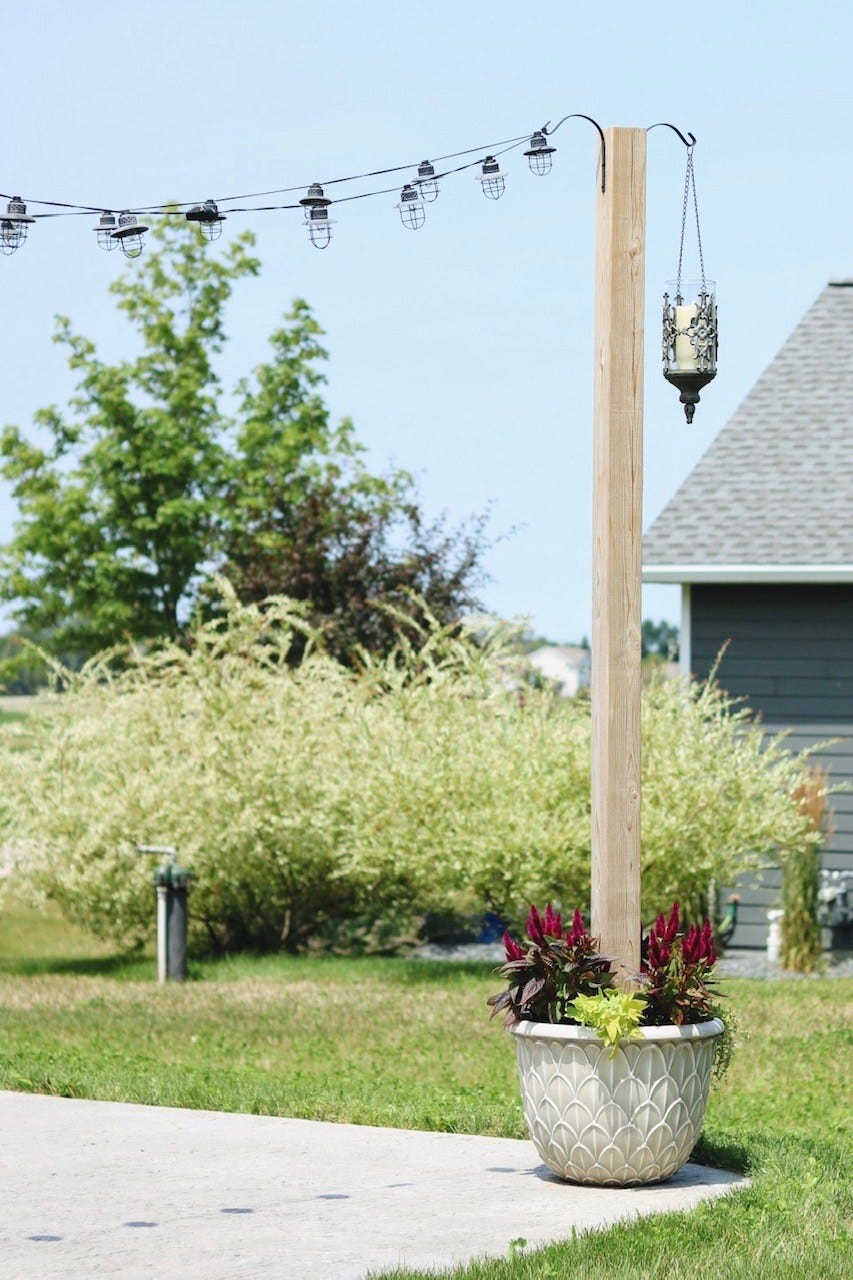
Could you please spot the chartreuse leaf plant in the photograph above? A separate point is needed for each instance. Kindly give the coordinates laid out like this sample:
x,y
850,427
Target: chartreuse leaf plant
x,y
615,1015
561,977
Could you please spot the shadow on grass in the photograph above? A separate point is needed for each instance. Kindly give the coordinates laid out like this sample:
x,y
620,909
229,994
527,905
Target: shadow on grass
x,y
392,970
131,967
427,972
726,1154
139,966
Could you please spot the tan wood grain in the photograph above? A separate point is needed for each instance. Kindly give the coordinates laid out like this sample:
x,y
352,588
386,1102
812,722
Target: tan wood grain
x,y
617,550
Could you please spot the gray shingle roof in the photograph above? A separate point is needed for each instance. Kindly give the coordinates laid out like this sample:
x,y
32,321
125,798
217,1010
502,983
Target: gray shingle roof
x,y
776,486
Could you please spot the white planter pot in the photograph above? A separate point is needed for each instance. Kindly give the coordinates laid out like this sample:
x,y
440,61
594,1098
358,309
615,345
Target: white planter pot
x,y
620,1119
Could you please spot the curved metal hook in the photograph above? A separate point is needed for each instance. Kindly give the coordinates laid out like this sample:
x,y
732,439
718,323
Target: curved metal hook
x,y
578,115
689,141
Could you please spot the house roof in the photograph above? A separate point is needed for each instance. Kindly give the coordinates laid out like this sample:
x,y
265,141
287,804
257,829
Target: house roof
x,y
772,498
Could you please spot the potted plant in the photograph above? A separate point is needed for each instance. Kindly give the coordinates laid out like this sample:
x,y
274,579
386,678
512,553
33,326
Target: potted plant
x,y
614,1083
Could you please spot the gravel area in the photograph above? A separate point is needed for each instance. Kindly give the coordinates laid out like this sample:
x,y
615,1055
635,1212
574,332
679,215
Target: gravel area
x,y
735,964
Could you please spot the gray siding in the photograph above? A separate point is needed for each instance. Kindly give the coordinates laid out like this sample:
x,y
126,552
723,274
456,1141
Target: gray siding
x,y
790,654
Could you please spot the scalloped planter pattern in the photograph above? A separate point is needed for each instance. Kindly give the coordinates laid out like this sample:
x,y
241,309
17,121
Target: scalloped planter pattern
x,y
614,1121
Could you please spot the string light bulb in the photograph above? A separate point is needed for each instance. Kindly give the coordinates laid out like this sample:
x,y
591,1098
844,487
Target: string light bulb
x,y
129,234
411,207
316,206
208,217
539,153
14,226
104,231
494,182
426,181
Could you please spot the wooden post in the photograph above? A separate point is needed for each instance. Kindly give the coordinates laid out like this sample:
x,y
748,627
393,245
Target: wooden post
x,y
617,550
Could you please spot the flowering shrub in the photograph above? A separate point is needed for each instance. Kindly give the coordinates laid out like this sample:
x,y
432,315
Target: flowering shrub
x,y
301,797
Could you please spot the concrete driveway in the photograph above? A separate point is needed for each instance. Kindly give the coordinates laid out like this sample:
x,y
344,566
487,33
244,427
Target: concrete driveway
x,y
90,1189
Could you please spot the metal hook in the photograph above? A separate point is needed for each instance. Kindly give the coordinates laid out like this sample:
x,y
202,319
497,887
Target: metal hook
x,y
578,115
689,141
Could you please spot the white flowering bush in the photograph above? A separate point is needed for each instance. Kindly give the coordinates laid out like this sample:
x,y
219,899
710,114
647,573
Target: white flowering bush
x,y
301,796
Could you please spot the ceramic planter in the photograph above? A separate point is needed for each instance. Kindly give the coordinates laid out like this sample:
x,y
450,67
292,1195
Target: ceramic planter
x,y
614,1120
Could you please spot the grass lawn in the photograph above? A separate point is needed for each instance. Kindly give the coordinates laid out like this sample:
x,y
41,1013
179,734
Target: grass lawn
x,y
406,1043
10,717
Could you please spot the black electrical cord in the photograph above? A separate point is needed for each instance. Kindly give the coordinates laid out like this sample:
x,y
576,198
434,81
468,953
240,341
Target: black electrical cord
x,y
177,208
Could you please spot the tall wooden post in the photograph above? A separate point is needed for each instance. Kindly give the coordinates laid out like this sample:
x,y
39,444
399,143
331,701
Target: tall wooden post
x,y
617,549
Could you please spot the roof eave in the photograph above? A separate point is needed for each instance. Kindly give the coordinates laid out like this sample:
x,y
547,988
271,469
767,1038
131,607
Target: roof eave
x,y
748,573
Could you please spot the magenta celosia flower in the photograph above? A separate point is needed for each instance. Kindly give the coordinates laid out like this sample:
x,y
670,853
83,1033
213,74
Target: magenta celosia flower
x,y
659,952
706,942
698,944
552,926
535,926
512,948
691,946
539,928
577,933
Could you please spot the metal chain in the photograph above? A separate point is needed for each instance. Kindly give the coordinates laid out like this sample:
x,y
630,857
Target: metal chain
x,y
689,182
698,230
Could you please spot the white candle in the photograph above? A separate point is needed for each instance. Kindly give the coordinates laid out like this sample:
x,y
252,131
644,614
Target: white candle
x,y
686,359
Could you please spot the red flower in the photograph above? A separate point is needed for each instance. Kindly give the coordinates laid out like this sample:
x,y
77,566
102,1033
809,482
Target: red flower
x,y
672,924
708,950
659,953
577,933
535,927
513,950
538,929
691,947
553,925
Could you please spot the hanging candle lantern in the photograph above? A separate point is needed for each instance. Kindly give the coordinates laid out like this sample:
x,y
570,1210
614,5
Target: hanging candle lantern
x,y
208,217
494,182
426,181
690,319
104,231
129,234
14,225
316,206
539,153
689,338
411,207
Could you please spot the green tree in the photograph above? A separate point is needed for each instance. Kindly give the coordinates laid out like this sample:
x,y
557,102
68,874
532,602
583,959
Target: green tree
x,y
359,554
660,639
117,512
147,485
303,516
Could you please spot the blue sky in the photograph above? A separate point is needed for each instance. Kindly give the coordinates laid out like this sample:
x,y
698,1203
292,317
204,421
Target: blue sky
x,y
462,351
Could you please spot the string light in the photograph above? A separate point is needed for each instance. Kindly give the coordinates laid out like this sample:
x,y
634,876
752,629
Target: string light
x,y
426,181
104,231
106,224
539,154
129,234
494,182
127,229
316,206
208,217
14,226
411,207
